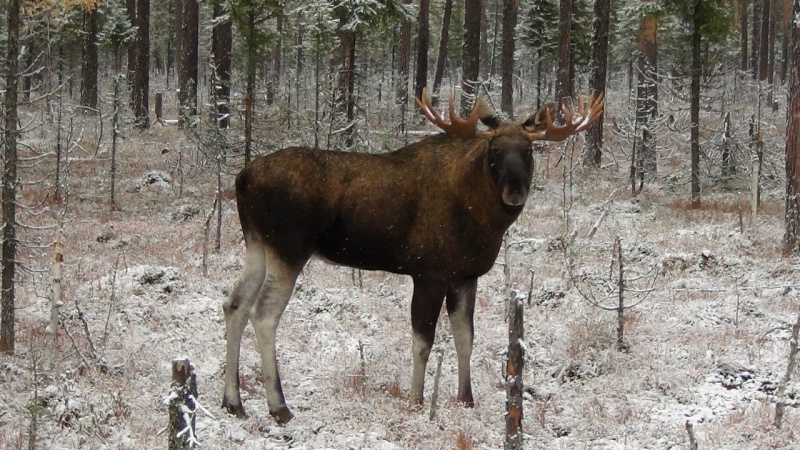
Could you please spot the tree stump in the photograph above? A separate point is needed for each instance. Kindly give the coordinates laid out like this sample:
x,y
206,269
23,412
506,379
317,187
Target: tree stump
x,y
182,405
514,367
160,107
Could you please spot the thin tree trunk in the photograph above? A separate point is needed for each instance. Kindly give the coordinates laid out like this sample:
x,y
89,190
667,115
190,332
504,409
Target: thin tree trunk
x,y
473,12
763,58
141,73
7,301
275,79
484,46
130,8
404,61
178,24
250,84
597,82
563,80
442,57
646,105
188,74
221,47
423,41
755,46
792,235
771,46
787,36
510,8
743,34
90,60
695,108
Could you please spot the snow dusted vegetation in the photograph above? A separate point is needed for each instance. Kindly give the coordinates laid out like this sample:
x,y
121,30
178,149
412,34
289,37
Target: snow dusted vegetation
x,y
707,346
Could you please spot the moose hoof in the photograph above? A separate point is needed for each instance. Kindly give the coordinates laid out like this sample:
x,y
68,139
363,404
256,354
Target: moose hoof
x,y
234,408
283,415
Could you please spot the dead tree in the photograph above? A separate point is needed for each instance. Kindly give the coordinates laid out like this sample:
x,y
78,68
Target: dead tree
x,y
779,394
515,364
183,405
599,290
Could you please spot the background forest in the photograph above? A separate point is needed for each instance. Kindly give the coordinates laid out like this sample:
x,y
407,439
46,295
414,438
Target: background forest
x,y
655,256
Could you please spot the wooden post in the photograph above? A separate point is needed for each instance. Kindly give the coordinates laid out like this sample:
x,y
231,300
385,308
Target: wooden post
x,y
160,107
182,404
514,367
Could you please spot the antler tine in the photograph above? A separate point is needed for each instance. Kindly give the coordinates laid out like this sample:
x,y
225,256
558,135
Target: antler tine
x,y
457,127
586,117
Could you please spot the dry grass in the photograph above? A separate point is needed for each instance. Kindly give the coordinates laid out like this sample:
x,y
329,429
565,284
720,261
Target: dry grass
x,y
463,441
719,207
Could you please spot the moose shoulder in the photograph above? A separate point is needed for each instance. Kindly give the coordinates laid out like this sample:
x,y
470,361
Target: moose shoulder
x,y
435,210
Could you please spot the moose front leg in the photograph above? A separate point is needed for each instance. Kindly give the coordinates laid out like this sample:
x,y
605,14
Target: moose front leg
x,y
426,303
461,310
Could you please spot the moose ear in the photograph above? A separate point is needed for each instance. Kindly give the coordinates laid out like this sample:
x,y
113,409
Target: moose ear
x,y
488,115
538,120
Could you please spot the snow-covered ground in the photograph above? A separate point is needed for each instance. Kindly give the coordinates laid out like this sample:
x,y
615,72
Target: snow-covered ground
x,y
707,346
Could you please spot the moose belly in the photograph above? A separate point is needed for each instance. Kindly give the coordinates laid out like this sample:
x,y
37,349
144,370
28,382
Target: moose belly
x,y
397,256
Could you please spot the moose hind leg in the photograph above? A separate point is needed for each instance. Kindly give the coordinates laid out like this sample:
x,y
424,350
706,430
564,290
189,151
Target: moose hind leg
x,y
265,316
237,309
426,304
461,309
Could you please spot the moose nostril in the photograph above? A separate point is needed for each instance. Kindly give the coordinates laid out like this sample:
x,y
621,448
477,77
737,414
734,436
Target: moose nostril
x,y
514,197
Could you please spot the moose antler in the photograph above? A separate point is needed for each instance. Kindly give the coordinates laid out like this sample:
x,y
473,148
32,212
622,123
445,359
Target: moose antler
x,y
588,113
457,127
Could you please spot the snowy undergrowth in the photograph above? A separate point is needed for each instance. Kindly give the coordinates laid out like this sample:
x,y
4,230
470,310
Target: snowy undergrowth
x,y
708,345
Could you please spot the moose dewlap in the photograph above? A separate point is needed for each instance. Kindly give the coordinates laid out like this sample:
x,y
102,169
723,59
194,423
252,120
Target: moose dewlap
x,y
435,210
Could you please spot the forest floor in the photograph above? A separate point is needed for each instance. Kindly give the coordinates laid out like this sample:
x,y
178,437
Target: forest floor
x,y
707,346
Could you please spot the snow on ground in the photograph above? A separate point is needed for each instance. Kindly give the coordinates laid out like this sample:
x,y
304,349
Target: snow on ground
x,y
707,346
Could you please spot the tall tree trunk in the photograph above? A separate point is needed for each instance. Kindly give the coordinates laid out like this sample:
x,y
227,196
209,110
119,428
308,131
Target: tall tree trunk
x,y
178,24
251,48
563,79
7,301
743,34
275,79
403,64
442,57
222,47
27,81
787,36
423,40
771,45
473,12
791,239
646,96
90,63
694,107
510,8
763,51
484,48
141,72
597,82
130,8
188,73
755,46
346,99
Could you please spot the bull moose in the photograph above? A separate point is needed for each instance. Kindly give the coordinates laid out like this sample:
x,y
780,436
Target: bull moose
x,y
435,210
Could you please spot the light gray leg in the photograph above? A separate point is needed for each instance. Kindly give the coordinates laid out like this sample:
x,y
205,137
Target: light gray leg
x,y
265,315
461,309
236,309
